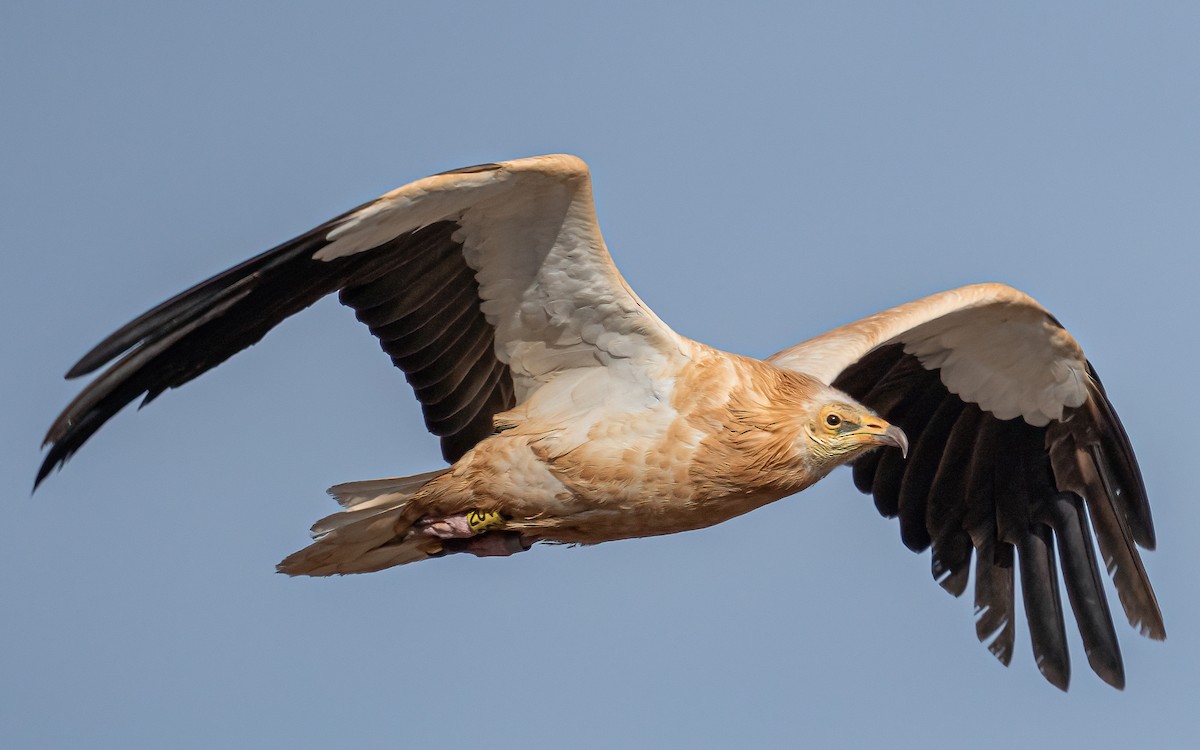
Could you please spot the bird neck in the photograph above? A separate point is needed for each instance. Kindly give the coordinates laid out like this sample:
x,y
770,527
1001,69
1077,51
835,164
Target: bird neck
x,y
758,444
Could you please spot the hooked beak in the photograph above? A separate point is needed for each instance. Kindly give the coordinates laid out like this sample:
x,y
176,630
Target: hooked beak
x,y
876,431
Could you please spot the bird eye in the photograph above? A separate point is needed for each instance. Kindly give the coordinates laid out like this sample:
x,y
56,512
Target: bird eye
x,y
833,420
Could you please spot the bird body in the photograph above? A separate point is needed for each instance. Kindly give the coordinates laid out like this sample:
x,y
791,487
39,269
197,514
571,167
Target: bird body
x,y
580,463
569,412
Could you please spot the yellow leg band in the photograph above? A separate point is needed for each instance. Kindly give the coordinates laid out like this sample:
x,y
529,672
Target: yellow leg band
x,y
484,520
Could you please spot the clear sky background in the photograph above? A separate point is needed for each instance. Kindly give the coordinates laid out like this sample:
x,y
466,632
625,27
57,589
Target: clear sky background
x,y
762,173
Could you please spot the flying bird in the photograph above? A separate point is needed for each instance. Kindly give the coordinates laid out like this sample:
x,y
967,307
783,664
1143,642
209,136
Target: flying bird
x,y
569,412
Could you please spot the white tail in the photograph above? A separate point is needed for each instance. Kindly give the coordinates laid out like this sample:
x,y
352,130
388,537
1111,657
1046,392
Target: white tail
x,y
351,495
366,535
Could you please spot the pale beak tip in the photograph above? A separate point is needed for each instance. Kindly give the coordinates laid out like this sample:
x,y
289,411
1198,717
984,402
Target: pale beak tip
x,y
899,439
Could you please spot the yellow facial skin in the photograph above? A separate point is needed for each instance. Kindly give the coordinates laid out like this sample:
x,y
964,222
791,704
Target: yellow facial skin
x,y
841,430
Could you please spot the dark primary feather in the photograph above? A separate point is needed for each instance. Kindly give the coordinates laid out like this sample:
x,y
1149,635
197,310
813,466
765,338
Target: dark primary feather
x,y
945,509
917,486
1066,516
415,292
1126,477
995,621
1015,496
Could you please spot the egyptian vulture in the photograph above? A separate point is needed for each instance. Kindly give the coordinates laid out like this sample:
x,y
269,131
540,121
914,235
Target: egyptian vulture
x,y
570,413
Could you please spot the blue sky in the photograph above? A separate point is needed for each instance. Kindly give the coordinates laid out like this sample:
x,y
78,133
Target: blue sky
x,y
762,173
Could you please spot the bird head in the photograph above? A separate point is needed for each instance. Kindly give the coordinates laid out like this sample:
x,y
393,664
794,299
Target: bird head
x,y
840,430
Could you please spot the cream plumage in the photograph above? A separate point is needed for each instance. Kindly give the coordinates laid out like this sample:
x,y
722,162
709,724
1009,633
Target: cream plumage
x,y
570,413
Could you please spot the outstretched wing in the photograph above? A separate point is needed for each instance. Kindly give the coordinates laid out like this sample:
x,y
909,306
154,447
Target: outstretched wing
x,y
481,284
1015,446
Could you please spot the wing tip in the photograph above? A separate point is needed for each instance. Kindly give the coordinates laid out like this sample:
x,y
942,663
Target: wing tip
x,y
1111,670
89,362
1056,673
49,464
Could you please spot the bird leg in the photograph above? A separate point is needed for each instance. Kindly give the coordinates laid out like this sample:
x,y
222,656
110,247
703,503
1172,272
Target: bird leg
x,y
477,532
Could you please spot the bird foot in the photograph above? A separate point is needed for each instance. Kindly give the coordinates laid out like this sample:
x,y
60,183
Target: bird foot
x,y
462,525
477,532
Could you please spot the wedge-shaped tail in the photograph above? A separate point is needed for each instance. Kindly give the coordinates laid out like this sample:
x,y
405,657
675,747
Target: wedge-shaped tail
x,y
368,534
